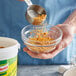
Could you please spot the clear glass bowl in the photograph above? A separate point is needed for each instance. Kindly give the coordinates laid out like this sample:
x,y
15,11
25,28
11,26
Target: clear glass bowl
x,y
36,46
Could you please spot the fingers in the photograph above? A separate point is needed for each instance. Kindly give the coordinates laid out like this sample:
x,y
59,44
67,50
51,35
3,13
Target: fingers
x,y
20,0
25,49
38,55
32,54
42,55
29,52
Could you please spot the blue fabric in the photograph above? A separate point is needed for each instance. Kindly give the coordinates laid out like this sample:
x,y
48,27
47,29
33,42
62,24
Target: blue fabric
x,y
12,20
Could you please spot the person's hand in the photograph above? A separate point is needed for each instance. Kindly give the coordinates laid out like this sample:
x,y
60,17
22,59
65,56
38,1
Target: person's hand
x,y
66,40
20,0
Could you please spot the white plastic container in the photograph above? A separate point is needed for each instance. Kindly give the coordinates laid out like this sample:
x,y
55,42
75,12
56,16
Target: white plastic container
x,y
8,56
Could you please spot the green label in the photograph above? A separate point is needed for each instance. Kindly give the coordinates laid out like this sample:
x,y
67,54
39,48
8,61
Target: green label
x,y
8,67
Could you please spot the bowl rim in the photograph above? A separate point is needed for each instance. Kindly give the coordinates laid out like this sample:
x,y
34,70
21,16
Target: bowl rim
x,y
59,38
71,69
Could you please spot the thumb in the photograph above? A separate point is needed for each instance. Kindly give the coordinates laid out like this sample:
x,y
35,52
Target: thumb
x,y
25,49
20,0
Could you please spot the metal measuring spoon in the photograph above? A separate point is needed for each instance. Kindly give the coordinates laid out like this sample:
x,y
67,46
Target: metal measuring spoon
x,y
33,12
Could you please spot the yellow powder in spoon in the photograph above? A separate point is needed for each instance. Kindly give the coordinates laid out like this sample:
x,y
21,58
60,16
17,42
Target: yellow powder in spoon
x,y
39,19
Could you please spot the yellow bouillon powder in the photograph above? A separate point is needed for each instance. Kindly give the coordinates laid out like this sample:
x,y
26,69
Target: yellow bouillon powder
x,y
39,19
42,39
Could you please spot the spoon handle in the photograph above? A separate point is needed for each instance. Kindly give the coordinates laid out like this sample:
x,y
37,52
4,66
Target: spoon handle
x,y
28,2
